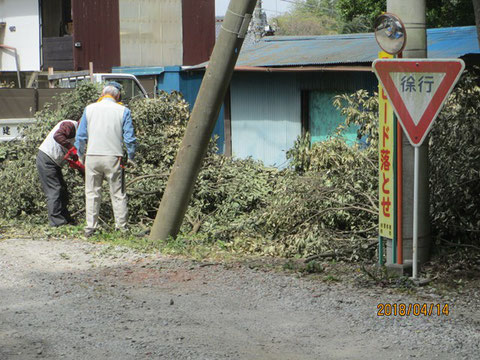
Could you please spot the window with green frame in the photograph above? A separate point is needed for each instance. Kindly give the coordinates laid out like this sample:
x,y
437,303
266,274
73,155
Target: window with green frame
x,y
324,118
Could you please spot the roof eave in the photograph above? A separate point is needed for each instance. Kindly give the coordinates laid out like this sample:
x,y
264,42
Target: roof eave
x,y
314,68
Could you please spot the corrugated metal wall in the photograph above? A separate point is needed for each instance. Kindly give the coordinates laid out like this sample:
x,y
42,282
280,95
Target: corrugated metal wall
x,y
96,30
266,116
266,108
198,30
173,78
151,32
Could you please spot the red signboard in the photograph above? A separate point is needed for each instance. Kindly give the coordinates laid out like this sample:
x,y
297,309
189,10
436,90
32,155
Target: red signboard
x,y
417,90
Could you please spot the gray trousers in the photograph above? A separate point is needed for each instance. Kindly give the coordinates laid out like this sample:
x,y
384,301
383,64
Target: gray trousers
x,y
97,168
55,190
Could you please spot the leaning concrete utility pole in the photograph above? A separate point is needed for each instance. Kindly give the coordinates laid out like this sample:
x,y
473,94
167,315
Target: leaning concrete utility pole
x,y
202,120
412,13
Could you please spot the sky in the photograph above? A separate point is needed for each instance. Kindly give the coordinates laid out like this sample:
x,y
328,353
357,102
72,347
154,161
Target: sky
x,y
271,7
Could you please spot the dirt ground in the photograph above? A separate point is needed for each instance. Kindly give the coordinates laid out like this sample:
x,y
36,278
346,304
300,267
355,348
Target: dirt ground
x,y
72,299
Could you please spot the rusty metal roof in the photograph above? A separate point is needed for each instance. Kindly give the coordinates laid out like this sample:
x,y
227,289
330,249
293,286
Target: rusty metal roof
x,y
278,51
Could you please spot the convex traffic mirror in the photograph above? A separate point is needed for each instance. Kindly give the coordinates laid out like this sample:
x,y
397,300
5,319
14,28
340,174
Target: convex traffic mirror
x,y
390,33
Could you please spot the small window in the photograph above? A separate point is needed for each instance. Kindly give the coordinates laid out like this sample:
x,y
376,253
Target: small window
x,y
324,118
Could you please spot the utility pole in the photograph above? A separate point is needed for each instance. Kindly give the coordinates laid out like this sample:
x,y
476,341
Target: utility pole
x,y
202,120
412,13
476,9
258,21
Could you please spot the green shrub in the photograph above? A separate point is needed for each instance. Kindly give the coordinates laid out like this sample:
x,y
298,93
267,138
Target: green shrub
x,y
331,205
455,164
21,195
226,190
327,201
454,154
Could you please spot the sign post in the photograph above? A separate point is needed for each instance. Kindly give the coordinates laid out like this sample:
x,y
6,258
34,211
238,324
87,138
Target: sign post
x,y
415,214
387,199
417,90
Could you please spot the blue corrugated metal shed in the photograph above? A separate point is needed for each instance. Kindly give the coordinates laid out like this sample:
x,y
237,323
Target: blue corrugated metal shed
x,y
173,78
351,48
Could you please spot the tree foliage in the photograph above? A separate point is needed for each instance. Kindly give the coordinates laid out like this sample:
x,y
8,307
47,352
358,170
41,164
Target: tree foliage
x,y
309,17
327,201
241,203
226,189
454,154
361,109
18,158
7,85
446,13
455,164
331,206
292,24
359,15
319,17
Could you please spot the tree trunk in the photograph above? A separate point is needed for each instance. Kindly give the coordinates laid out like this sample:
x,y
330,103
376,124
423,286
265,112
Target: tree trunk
x,y
476,9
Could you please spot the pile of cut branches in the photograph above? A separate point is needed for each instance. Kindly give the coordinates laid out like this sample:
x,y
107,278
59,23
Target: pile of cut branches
x,y
454,154
325,204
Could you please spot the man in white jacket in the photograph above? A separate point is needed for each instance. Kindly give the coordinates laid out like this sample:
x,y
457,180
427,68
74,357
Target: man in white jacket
x,y
50,159
106,126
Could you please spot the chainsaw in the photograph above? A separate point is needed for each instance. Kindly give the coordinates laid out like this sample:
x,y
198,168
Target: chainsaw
x,y
73,161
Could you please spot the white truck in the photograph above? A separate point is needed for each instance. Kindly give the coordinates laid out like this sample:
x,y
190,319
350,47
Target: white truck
x,y
132,88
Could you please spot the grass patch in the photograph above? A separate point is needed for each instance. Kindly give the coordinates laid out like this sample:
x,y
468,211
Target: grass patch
x,y
299,266
331,279
194,247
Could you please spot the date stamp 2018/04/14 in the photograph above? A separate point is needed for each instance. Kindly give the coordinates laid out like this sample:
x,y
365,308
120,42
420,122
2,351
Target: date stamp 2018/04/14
x,y
416,309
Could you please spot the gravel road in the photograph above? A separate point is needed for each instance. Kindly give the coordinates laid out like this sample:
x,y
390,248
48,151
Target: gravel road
x,y
77,300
